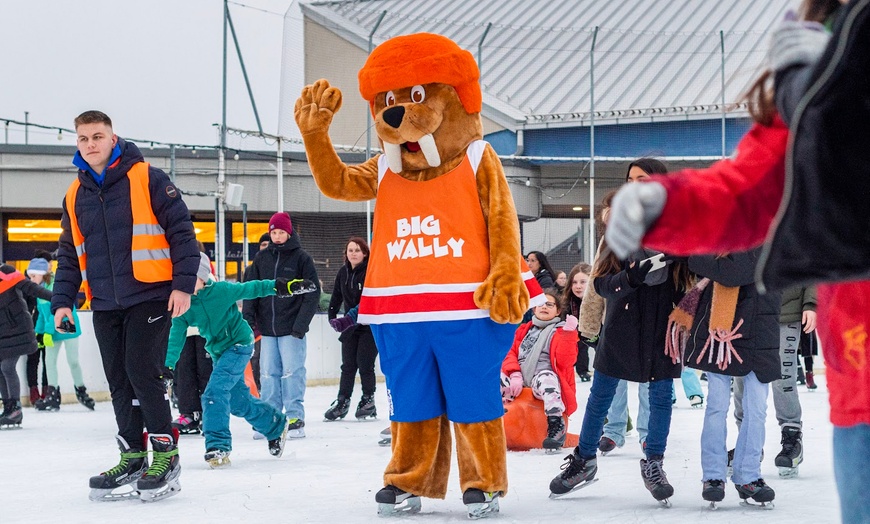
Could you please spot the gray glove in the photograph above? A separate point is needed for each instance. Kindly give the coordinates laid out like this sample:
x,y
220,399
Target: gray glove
x,y
796,43
634,209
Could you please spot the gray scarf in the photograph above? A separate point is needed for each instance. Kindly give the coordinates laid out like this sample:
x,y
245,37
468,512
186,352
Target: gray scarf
x,y
531,362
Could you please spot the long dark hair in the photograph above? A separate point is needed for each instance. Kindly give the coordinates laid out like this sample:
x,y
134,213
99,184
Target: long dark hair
x,y
649,165
760,95
542,260
571,301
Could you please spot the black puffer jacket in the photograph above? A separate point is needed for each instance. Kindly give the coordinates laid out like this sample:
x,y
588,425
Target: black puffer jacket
x,y
106,221
632,344
16,325
759,346
347,292
278,317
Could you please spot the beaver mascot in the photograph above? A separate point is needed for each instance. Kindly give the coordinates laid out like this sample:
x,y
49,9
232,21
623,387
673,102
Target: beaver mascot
x,y
446,280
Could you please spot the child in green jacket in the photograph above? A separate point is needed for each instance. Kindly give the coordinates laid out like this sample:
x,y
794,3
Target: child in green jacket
x,y
230,342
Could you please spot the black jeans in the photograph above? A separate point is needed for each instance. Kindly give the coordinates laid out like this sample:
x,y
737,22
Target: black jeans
x,y
358,352
33,367
133,344
192,372
582,364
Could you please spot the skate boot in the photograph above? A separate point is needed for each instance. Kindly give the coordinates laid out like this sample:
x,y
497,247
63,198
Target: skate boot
x,y
217,458
757,491
119,483
556,433
12,414
296,429
188,424
713,492
276,445
161,479
811,381
338,409
731,461
366,408
34,396
480,503
577,473
606,445
697,401
386,437
655,479
792,453
585,377
392,500
51,402
83,397
801,378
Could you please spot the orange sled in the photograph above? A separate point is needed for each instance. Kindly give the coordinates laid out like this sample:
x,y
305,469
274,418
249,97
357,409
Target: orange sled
x,y
525,424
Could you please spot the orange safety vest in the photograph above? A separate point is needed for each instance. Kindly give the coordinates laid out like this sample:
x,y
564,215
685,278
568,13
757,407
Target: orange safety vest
x,y
150,249
8,280
430,248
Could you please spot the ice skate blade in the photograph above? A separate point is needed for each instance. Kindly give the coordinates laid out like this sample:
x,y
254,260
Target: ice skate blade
x,y
409,505
665,503
385,442
575,488
10,426
171,488
369,418
712,506
787,473
761,505
552,451
107,495
482,509
219,463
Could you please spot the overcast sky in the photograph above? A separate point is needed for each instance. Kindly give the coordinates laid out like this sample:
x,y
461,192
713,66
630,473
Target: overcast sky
x,y
154,66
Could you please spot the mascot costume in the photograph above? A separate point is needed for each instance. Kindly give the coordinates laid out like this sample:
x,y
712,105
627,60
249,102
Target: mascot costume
x,y
446,282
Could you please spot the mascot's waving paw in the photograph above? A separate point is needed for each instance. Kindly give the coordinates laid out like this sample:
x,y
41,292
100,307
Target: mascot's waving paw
x,y
505,295
316,106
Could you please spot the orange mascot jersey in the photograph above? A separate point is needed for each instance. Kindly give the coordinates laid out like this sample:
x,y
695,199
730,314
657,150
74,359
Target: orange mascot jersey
x,y
430,248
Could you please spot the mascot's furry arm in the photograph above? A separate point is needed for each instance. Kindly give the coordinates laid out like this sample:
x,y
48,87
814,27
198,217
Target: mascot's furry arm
x,y
314,111
503,292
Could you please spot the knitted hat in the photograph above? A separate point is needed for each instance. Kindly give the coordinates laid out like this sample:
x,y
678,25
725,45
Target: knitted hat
x,y
38,266
265,237
281,221
422,58
204,270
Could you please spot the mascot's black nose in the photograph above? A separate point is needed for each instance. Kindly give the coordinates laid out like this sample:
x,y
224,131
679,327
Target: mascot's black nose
x,y
394,116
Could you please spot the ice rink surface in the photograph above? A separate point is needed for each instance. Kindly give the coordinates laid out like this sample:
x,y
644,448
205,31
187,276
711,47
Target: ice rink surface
x,y
332,474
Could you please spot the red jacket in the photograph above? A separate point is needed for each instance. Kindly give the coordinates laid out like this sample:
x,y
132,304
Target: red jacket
x,y
563,355
730,207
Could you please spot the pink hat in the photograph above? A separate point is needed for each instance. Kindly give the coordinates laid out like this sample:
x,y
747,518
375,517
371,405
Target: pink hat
x,y
281,221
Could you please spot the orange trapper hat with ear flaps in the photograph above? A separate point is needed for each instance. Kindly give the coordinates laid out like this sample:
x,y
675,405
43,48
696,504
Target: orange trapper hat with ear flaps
x,y
422,58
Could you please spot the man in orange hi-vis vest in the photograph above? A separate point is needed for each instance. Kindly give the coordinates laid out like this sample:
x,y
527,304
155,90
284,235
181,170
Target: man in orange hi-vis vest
x,y
446,281
128,241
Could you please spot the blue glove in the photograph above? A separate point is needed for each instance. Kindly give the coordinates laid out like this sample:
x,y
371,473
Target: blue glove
x,y
352,313
341,324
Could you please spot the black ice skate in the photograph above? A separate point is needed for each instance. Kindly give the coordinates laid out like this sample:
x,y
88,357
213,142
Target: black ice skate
x,y
577,473
757,491
713,492
276,445
51,402
161,479
655,479
366,409
296,429
12,415
337,410
217,458
697,401
392,500
606,445
480,503
556,433
731,461
792,453
83,397
119,483
386,437
188,424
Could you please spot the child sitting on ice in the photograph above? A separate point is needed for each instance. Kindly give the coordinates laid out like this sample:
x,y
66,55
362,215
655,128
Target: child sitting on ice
x,y
230,342
542,357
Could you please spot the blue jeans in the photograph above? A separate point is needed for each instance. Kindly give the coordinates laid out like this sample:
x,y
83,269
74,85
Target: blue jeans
x,y
851,445
617,415
227,393
282,374
691,384
750,436
601,396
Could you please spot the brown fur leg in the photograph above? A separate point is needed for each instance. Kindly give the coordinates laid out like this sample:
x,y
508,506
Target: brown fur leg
x,y
421,457
482,453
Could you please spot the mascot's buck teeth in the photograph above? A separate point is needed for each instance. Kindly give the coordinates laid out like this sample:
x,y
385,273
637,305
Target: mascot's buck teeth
x,y
427,146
